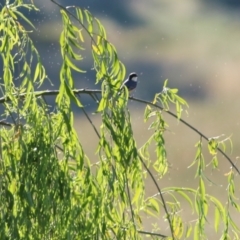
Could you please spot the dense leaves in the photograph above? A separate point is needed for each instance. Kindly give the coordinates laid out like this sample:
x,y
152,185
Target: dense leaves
x,y
50,189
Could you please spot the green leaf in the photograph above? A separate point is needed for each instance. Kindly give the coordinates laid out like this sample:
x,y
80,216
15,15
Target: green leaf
x,y
147,112
137,194
37,72
77,45
101,29
79,14
89,20
183,194
102,105
96,49
165,83
202,188
234,225
212,146
173,90
73,66
188,231
71,95
216,219
196,235
24,18
215,162
177,226
153,204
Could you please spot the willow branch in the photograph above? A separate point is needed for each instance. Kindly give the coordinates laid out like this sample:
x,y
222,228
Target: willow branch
x,y
96,91
71,14
152,234
52,93
161,196
188,125
90,121
3,123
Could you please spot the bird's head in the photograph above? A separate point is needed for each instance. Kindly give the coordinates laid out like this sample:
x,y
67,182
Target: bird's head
x,y
133,77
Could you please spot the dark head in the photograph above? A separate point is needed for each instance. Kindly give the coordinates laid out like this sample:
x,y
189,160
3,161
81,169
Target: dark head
x,y
133,77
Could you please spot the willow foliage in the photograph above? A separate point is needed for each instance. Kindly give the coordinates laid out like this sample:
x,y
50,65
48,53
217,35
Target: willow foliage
x,y
49,187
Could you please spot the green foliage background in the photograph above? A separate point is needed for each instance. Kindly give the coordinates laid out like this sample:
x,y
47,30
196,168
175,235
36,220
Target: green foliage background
x,y
49,187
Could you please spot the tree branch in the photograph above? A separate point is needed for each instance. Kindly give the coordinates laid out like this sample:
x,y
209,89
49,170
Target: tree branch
x,y
152,234
3,123
52,93
95,91
161,196
188,125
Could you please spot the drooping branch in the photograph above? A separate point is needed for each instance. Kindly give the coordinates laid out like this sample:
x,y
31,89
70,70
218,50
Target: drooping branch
x,y
190,126
91,92
161,196
53,93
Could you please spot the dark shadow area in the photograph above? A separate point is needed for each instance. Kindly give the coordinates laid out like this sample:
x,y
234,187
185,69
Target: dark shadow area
x,y
228,4
118,11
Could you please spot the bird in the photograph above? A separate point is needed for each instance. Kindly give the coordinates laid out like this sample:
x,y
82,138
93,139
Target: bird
x,y
130,82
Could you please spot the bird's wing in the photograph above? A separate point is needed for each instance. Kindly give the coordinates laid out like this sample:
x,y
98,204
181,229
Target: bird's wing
x,y
131,85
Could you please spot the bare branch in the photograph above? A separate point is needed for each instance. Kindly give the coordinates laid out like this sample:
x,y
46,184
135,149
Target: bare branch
x,y
90,121
152,234
3,123
52,93
161,196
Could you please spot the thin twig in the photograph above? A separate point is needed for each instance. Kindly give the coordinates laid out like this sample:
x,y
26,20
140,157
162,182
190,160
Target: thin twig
x,y
52,93
129,199
160,194
94,97
71,14
90,121
152,234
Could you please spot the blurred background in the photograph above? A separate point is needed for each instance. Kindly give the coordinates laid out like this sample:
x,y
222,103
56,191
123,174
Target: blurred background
x,y
193,43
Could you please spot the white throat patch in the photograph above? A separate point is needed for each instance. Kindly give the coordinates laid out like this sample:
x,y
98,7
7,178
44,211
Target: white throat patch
x,y
134,79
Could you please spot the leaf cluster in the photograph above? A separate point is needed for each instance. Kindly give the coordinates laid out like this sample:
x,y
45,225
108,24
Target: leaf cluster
x,y
50,189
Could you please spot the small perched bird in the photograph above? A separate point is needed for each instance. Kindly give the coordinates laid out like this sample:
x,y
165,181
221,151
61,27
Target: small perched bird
x,y
130,82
